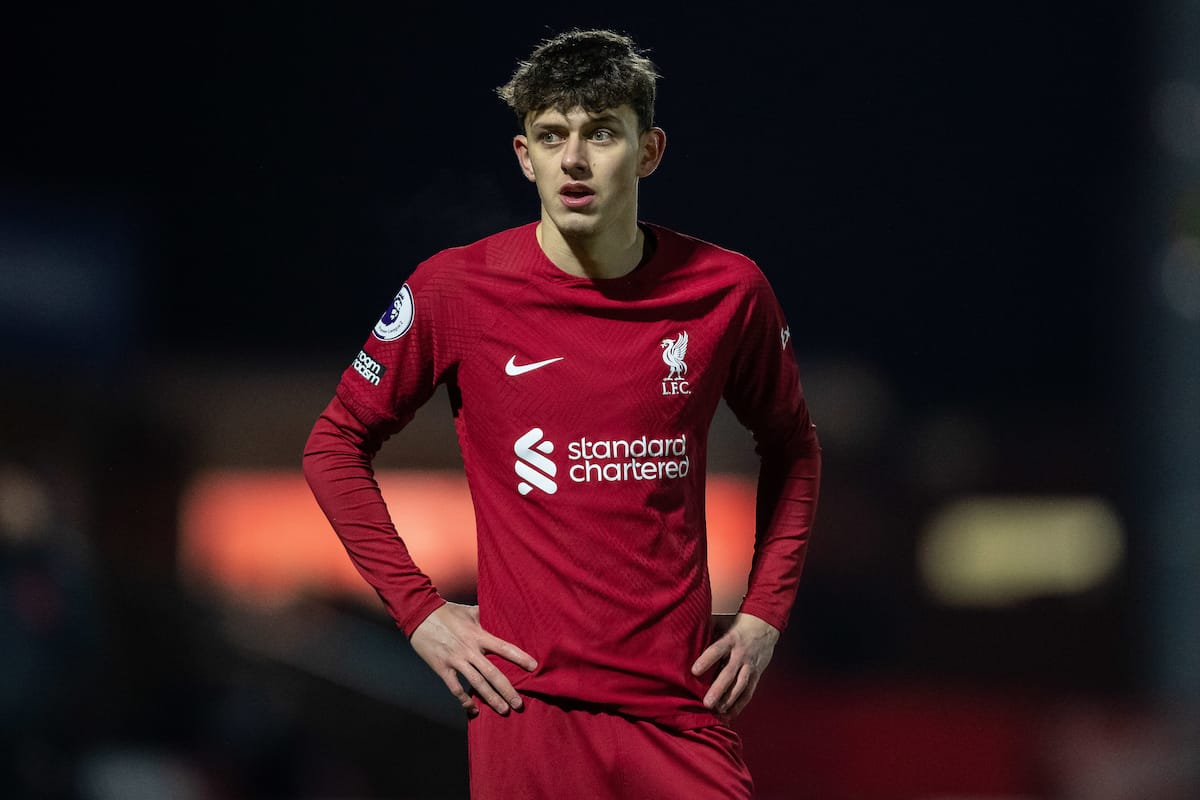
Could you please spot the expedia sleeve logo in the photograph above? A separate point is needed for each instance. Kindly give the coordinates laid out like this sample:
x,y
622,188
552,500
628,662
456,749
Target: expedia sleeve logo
x,y
398,318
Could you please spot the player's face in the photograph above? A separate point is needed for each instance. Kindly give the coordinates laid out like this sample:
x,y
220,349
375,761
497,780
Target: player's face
x,y
586,167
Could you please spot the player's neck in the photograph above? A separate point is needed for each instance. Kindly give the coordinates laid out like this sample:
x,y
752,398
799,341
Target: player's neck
x,y
611,253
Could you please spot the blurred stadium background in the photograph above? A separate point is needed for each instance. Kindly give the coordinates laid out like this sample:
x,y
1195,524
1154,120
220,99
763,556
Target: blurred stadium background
x,y
983,222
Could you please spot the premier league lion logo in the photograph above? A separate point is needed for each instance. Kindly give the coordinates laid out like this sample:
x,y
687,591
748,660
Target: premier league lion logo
x,y
398,318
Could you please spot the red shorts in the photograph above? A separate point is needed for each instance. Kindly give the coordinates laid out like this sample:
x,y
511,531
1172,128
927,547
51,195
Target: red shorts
x,y
552,752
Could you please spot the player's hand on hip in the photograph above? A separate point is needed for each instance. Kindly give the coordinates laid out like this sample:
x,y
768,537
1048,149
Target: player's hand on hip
x,y
745,644
452,643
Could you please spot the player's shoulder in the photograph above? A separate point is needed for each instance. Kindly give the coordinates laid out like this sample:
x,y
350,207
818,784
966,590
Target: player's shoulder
x,y
709,259
482,254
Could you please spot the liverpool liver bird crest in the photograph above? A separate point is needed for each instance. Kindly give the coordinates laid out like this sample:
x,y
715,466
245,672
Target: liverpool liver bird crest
x,y
674,351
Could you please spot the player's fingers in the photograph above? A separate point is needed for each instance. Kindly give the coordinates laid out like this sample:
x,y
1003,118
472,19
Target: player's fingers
x,y
720,686
450,678
735,692
745,696
509,651
484,689
711,656
499,683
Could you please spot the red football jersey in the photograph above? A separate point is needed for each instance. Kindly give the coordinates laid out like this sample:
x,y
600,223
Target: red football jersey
x,y
582,409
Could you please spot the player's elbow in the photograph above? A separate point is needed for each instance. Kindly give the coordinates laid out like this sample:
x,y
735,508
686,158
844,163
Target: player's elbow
x,y
329,448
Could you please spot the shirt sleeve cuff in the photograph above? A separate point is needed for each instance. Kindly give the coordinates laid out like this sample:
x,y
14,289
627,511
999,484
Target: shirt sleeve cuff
x,y
764,612
414,619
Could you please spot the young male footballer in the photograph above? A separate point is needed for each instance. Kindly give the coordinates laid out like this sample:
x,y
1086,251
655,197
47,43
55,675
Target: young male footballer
x,y
585,355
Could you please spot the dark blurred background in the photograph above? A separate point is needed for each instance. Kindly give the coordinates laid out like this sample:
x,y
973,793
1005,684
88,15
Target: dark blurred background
x,y
982,221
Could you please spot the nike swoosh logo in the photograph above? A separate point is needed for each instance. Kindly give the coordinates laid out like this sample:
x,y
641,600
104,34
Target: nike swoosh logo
x,y
513,368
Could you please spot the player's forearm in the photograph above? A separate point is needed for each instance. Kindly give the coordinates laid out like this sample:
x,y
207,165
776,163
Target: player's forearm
x,y
789,483
337,466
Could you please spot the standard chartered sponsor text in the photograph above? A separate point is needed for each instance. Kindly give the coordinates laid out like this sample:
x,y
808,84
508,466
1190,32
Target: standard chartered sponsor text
x,y
640,459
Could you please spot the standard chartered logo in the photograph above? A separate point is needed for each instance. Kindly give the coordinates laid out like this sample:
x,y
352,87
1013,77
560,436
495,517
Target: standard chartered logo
x,y
645,458
532,464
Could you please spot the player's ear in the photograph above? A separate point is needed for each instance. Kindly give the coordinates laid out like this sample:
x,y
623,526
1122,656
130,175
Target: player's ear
x,y
521,148
653,143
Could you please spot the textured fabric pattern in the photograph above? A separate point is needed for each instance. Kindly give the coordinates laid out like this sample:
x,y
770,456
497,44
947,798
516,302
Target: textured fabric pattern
x,y
582,409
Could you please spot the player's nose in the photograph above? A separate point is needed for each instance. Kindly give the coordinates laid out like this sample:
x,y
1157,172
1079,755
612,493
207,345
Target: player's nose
x,y
574,156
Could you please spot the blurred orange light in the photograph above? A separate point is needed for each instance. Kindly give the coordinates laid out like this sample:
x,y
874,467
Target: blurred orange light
x,y
259,536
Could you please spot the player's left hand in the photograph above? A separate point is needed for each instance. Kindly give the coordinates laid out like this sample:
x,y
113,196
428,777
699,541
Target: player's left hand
x,y
745,644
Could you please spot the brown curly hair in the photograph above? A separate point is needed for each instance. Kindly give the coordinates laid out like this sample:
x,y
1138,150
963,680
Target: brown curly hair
x,y
590,69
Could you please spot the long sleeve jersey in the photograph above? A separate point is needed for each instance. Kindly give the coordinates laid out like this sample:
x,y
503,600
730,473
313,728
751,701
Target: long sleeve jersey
x,y
582,409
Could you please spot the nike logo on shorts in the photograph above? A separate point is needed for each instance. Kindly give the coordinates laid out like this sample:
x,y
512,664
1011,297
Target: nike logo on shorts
x,y
513,368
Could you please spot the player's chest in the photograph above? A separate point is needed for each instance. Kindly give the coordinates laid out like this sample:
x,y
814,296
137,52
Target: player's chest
x,y
657,368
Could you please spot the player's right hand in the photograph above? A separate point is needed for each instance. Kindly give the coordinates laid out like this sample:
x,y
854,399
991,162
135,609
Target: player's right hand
x,y
452,643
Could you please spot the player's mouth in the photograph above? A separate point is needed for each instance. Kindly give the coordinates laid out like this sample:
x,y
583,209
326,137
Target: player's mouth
x,y
576,195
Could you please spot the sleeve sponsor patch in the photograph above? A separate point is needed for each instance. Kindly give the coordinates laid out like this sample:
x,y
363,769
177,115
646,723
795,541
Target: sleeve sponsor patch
x,y
369,368
398,318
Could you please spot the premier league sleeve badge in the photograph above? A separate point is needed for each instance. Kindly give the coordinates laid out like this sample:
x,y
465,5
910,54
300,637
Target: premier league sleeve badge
x,y
398,317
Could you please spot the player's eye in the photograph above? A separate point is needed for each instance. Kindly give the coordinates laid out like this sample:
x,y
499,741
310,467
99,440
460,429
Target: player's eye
x,y
549,137
601,135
